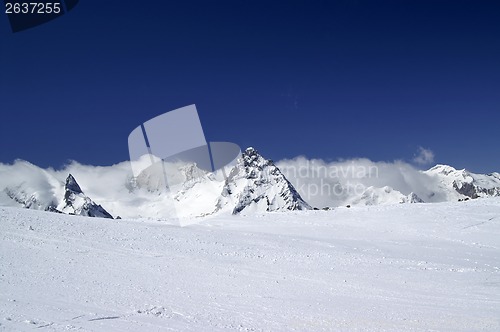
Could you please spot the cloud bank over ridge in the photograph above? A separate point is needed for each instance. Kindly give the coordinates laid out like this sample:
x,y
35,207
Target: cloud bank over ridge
x,y
336,183
320,183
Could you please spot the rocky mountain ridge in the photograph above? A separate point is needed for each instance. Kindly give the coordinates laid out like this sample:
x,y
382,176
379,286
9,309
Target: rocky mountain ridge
x,y
253,184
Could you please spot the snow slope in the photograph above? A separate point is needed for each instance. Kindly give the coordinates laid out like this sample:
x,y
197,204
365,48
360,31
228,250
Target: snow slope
x,y
376,268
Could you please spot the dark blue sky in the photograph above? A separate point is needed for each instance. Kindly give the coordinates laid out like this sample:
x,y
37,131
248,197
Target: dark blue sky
x,y
324,79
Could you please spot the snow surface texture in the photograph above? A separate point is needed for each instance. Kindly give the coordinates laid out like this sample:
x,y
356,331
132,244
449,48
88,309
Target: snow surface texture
x,y
252,185
375,268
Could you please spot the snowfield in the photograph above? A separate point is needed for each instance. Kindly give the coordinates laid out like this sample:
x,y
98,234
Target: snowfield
x,y
378,268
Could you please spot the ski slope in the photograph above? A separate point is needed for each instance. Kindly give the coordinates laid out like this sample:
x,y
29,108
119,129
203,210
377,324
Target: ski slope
x,y
405,267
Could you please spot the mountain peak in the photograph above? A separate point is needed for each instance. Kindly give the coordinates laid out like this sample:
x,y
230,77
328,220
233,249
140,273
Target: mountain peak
x,y
442,167
251,153
253,159
76,202
465,183
72,185
257,184
250,150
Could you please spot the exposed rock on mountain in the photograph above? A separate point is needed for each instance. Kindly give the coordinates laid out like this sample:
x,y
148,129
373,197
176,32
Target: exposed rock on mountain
x,y
465,183
76,202
249,184
256,184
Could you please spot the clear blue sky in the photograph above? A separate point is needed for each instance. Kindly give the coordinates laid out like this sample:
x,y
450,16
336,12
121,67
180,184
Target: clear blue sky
x,y
323,79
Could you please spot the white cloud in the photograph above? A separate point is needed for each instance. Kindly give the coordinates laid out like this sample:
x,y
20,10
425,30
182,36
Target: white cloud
x,y
113,187
424,156
320,183
107,185
323,183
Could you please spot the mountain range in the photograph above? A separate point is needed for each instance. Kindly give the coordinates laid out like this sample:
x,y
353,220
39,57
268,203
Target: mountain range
x,y
252,185
450,185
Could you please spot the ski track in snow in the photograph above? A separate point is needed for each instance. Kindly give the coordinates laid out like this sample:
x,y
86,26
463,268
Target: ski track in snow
x,y
378,268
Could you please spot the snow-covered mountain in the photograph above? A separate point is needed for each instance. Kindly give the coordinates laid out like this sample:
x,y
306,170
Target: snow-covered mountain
x,y
256,184
43,191
384,195
26,185
449,184
252,184
465,184
176,190
76,202
163,190
365,182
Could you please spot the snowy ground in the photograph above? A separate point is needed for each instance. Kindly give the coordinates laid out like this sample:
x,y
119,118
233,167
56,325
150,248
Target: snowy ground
x,y
402,267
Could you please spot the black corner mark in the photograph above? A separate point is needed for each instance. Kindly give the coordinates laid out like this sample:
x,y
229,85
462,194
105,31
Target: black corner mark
x,y
26,14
